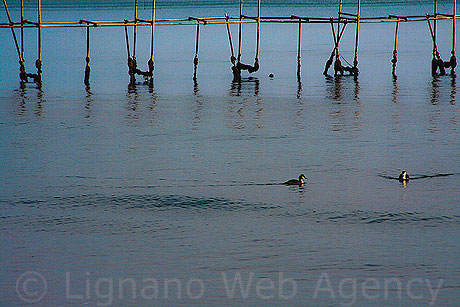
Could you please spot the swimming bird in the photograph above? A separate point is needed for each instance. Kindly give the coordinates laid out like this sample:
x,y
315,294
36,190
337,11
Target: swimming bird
x,y
296,181
404,176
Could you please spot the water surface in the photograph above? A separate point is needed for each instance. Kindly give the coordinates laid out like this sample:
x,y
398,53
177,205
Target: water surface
x,y
181,181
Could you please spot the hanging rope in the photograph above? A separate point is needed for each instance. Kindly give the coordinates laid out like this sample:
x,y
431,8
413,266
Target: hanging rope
x,y
338,67
338,31
38,62
436,61
394,60
135,31
256,60
132,61
453,59
195,60
87,69
22,31
454,16
299,49
236,69
22,69
151,63
355,60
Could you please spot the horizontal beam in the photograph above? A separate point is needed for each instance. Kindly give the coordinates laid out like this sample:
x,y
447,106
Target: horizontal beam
x,y
221,20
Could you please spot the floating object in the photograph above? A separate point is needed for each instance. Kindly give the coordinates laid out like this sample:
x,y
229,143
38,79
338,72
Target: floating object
x,y
404,176
299,181
271,75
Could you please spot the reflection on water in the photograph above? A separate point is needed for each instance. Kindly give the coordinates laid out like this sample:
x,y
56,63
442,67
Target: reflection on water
x,y
138,96
245,86
199,105
342,90
299,88
89,101
339,89
242,93
74,215
396,116
442,89
132,104
453,89
30,94
438,83
22,100
435,90
395,91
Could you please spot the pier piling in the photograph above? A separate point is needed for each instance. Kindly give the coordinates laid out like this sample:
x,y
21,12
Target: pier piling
x,y
338,26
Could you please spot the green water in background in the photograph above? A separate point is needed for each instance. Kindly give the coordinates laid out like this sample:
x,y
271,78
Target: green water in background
x,y
162,4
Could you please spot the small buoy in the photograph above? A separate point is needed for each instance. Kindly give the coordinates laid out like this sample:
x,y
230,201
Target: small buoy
x,y
271,75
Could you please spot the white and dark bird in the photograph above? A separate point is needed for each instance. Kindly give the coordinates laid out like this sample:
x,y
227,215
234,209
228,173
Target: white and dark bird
x,y
404,176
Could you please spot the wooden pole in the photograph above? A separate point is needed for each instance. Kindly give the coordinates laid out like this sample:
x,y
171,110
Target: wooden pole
x,y
151,63
87,42
453,26
135,30
299,48
355,61
433,37
38,63
453,59
22,30
153,31
39,29
240,31
195,60
337,55
396,35
258,33
395,49
127,40
232,58
12,29
435,13
87,69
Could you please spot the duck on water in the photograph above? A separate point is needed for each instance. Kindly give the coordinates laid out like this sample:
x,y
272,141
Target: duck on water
x,y
299,181
404,176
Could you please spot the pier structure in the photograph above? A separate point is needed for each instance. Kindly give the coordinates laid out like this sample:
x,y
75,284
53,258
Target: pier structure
x,y
338,25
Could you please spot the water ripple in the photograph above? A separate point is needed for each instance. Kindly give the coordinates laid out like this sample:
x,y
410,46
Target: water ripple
x,y
144,202
375,217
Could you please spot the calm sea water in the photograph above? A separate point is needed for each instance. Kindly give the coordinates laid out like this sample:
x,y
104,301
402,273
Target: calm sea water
x,y
170,195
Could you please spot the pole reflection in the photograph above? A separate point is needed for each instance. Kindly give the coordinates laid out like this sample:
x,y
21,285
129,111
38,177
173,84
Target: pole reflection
x,y
338,88
89,101
199,105
241,91
136,97
33,94
342,90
